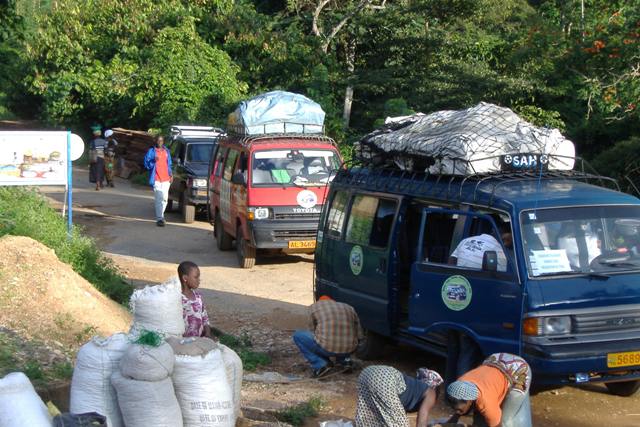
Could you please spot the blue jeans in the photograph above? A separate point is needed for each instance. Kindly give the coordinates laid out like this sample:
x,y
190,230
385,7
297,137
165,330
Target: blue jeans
x,y
317,356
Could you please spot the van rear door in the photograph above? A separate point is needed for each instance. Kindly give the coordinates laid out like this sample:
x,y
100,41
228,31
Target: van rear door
x,y
362,261
487,305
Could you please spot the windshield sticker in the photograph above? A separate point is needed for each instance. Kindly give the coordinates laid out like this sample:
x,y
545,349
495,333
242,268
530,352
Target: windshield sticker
x,y
532,216
356,260
549,261
537,230
307,199
456,293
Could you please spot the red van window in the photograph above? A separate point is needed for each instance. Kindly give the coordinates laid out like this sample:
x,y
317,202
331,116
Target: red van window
x,y
230,164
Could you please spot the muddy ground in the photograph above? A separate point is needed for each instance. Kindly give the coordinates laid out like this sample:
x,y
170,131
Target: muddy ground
x,y
269,302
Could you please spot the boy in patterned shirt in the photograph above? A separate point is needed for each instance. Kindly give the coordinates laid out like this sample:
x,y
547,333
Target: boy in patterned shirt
x,y
196,319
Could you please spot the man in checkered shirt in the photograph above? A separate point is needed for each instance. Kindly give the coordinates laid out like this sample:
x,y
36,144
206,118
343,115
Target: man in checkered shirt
x,y
336,332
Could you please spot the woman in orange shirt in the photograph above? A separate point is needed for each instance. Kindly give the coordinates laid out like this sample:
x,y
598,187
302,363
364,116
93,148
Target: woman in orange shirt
x,y
497,391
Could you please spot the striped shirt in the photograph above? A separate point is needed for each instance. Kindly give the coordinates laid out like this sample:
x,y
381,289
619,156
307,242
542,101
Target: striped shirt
x,y
336,326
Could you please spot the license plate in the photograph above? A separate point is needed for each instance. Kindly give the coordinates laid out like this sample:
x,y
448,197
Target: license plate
x,y
629,358
302,244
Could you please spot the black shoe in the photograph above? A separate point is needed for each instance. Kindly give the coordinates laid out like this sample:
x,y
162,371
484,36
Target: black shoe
x,y
160,223
346,365
321,372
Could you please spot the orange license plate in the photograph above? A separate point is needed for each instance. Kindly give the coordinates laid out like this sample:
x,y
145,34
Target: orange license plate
x,y
629,358
302,244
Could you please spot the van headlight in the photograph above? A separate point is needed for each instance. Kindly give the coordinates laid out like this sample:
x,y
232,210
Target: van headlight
x,y
258,213
552,325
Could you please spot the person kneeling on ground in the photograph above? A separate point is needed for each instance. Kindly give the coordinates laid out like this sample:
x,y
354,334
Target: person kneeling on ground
x,y
336,332
385,395
497,391
196,318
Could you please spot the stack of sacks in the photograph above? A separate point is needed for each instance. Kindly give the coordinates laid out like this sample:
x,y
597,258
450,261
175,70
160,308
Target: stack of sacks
x,y
158,309
144,388
20,405
201,384
91,389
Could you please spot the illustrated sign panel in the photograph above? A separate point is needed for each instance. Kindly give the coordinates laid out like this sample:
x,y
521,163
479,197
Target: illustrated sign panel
x,y
36,158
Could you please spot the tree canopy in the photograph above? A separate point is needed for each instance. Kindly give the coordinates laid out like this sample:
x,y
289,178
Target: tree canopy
x,y
570,64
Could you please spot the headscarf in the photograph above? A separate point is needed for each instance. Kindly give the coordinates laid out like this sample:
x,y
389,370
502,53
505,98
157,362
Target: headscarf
x,y
429,377
325,298
463,390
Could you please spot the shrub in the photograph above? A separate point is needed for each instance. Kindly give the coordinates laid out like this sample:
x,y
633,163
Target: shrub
x,y
25,212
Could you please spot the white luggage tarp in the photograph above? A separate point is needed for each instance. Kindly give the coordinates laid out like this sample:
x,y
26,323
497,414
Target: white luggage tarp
x,y
477,136
277,112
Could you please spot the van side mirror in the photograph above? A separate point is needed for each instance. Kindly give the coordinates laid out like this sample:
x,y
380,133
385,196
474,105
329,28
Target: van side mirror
x,y
490,261
238,178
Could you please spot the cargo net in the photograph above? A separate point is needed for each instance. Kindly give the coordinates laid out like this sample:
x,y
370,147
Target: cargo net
x,y
483,139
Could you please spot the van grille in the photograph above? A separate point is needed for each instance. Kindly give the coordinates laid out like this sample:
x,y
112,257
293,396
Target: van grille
x,y
290,215
607,322
295,234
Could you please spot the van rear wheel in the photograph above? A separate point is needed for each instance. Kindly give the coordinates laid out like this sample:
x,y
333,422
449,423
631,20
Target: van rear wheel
x,y
624,388
188,210
246,252
223,239
371,346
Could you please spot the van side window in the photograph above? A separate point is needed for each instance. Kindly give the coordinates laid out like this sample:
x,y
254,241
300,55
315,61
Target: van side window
x,y
335,218
217,166
438,236
230,164
370,221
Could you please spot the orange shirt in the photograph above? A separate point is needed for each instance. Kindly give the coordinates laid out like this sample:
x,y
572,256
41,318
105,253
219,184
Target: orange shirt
x,y
493,387
162,165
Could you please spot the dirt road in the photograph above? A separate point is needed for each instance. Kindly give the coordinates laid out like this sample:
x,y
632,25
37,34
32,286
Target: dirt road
x,y
269,301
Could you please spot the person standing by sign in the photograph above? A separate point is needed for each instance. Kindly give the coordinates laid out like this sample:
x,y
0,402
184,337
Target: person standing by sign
x,y
158,163
96,158
497,392
336,332
110,157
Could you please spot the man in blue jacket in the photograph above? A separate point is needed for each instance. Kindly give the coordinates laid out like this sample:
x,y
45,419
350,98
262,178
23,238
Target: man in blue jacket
x,y
158,163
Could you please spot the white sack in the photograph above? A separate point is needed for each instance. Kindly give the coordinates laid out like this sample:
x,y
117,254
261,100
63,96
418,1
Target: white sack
x,y
191,346
203,392
477,136
147,363
158,308
20,405
146,403
91,389
233,369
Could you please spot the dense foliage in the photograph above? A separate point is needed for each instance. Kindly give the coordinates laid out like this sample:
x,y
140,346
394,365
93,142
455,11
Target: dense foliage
x,y
571,64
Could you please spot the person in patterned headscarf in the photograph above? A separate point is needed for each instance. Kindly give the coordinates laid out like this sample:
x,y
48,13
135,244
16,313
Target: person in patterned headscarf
x,y
497,392
385,395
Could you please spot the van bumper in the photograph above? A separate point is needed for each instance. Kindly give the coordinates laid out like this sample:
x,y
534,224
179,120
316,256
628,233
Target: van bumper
x,y
276,234
559,364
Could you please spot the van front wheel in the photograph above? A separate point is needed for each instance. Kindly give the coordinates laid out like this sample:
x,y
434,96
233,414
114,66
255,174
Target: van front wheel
x,y
624,388
246,252
371,346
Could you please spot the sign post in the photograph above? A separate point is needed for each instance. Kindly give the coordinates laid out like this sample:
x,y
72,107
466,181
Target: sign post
x,y
69,187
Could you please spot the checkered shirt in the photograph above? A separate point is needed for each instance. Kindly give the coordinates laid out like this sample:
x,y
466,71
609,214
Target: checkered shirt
x,y
336,326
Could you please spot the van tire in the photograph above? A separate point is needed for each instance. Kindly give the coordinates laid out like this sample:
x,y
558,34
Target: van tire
x,y
188,210
246,252
624,388
371,346
223,239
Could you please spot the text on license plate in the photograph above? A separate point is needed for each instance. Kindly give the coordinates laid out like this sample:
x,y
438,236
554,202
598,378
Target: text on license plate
x,y
302,244
628,358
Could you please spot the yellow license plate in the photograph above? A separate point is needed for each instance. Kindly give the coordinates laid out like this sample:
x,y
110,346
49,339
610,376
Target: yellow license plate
x,y
302,244
629,358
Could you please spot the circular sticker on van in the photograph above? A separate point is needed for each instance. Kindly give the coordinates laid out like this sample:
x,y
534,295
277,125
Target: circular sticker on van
x,y
456,293
307,199
356,260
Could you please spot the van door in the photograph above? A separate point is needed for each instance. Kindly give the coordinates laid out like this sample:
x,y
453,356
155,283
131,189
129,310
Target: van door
x,y
456,292
226,213
215,180
361,262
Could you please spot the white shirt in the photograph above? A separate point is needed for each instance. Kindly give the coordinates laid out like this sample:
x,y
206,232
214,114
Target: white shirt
x,y
570,245
470,251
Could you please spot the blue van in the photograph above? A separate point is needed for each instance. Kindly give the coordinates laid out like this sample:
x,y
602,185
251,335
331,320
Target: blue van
x,y
559,283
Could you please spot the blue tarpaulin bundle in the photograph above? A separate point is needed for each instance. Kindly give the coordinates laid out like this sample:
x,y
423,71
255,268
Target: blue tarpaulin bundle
x,y
277,112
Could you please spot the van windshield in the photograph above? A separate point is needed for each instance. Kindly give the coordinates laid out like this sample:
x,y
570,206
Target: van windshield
x,y
581,240
300,168
199,153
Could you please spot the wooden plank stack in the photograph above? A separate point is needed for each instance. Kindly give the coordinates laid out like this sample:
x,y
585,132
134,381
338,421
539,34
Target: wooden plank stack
x,y
132,146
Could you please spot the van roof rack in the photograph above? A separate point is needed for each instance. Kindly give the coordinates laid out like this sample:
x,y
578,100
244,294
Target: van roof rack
x,y
283,138
451,187
277,128
183,130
